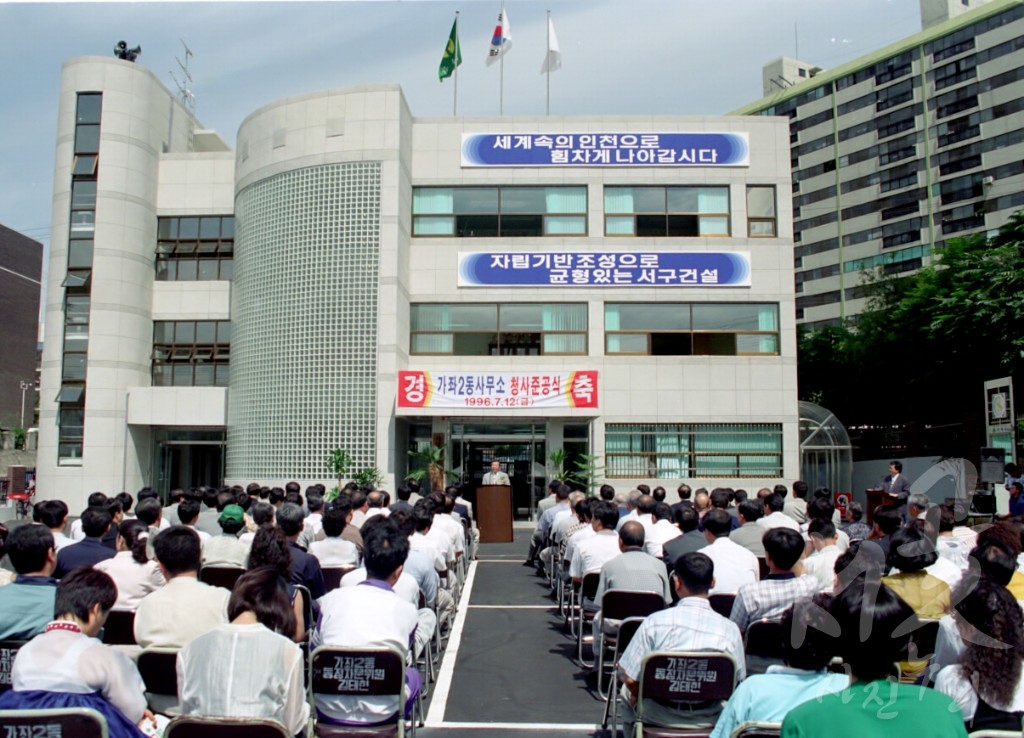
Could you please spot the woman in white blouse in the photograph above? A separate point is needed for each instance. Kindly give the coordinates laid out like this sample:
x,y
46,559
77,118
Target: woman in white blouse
x,y
135,575
247,668
986,680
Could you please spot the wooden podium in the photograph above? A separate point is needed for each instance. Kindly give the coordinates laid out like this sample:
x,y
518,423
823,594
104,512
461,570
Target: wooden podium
x,y
875,498
494,513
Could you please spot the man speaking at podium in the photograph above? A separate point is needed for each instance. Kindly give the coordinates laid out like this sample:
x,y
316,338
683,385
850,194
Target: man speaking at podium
x,y
496,476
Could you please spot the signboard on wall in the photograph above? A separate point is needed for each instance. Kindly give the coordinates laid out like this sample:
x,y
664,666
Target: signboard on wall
x,y
604,269
605,150
497,390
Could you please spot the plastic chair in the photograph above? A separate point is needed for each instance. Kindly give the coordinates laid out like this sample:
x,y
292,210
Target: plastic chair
x,y
119,630
221,576
764,644
358,672
753,729
685,678
722,603
198,726
627,629
588,590
159,672
334,574
617,605
67,722
8,650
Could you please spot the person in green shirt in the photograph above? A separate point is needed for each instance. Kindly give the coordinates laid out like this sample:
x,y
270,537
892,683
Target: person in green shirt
x,y
873,634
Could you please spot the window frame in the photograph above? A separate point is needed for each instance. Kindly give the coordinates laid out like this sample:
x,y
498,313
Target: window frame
x,y
169,357
498,332
635,214
692,331
500,213
774,220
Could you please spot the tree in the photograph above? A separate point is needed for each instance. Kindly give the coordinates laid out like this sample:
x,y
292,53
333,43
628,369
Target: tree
x,y
339,462
434,471
927,341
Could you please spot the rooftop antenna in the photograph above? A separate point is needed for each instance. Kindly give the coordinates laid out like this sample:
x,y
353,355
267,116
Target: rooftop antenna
x,y
188,99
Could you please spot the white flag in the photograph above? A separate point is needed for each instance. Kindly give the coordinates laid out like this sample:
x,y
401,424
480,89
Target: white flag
x,y
501,39
553,60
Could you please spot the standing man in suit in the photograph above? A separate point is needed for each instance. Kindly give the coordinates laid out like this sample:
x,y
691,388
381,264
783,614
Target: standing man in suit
x,y
496,475
896,485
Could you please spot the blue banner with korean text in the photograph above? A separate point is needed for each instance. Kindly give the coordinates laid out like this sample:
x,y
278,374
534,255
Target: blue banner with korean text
x,y
605,150
604,269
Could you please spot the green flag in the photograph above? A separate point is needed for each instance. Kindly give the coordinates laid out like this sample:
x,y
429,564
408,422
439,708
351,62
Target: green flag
x,y
452,54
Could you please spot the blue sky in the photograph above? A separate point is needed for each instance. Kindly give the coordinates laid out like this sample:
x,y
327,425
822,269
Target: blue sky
x,y
635,57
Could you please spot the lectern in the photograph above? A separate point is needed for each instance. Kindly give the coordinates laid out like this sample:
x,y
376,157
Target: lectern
x,y
494,513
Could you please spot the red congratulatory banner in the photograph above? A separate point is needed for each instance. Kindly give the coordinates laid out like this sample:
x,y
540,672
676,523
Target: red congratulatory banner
x,y
499,390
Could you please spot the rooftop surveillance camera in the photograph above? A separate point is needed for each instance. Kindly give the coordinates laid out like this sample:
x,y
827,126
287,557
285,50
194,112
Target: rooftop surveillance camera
x,y
121,51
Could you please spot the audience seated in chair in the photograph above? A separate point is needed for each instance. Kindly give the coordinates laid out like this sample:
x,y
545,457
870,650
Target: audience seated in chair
x,y
96,521
769,599
370,614
136,576
986,681
333,550
248,667
873,634
305,568
65,666
26,606
690,625
225,549
808,652
184,607
270,548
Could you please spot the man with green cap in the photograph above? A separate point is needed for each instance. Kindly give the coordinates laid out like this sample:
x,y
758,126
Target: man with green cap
x,y
225,549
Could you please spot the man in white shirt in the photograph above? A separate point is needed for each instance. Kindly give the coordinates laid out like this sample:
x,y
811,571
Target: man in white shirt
x,y
370,614
592,553
54,515
774,517
796,505
663,530
188,513
184,607
334,550
735,565
495,476
948,545
96,499
691,625
822,563
360,506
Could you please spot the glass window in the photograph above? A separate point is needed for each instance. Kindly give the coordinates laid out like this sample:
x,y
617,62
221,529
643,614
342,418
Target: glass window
x,y
227,227
517,329
83,223
89,107
167,228
74,367
76,310
188,228
735,317
84,166
761,213
188,270
77,279
206,332
646,317
76,337
83,194
184,332
209,228
716,329
79,253
477,212
87,139
224,331
209,269
667,211
682,450
163,331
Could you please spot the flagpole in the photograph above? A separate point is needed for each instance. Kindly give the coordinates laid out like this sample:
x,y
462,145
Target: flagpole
x,y
455,74
548,60
501,62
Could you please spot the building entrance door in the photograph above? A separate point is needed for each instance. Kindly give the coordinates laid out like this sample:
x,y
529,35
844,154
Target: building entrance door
x,y
519,448
185,462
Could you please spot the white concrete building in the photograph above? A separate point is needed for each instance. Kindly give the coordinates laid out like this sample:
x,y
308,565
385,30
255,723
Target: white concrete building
x,y
617,286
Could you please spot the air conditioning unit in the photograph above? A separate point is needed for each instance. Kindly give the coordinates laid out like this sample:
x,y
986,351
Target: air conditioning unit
x,y
988,181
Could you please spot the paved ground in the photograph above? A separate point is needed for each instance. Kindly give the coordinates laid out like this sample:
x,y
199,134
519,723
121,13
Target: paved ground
x,y
508,671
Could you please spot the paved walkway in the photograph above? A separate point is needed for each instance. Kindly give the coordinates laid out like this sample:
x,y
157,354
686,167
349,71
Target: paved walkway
x,y
508,669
